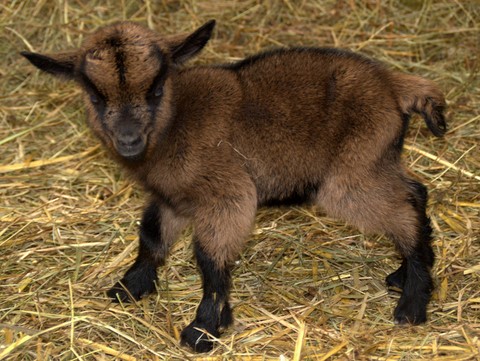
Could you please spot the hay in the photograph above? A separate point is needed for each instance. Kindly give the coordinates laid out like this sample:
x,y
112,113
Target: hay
x,y
306,286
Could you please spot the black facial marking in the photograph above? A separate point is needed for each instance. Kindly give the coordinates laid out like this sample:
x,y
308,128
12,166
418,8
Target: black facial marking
x,y
155,92
98,99
116,43
120,63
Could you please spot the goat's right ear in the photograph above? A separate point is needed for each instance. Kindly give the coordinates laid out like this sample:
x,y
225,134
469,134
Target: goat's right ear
x,y
61,64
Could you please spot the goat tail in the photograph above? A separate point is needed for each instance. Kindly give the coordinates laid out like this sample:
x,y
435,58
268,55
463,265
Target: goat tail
x,y
422,96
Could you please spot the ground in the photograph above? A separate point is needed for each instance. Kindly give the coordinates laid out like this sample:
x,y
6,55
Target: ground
x,y
306,287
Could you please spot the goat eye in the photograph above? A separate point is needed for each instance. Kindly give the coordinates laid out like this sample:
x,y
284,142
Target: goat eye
x,y
94,99
158,91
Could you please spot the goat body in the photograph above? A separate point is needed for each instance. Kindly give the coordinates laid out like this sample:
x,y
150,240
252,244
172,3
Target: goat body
x,y
213,143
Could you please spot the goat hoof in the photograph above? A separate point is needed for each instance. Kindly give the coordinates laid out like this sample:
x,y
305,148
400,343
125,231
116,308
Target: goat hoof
x,y
194,336
119,293
408,312
136,283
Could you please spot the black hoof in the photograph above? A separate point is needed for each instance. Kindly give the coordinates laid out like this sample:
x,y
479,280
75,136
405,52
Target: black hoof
x,y
408,312
118,293
138,281
195,336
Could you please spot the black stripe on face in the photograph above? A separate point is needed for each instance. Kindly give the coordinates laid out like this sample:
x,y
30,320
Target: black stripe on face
x,y
116,43
120,63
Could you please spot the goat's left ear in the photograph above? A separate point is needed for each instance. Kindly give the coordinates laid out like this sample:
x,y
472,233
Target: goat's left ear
x,y
183,48
61,64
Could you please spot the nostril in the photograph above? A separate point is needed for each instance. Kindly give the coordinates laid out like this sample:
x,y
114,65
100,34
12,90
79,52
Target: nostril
x,y
130,146
129,140
136,141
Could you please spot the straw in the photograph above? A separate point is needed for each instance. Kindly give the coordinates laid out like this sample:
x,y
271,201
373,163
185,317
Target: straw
x,y
306,287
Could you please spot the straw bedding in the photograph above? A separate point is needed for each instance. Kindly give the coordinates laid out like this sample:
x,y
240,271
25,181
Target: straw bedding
x,y
306,287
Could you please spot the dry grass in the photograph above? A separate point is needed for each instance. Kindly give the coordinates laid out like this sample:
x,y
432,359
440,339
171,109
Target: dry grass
x,y
306,286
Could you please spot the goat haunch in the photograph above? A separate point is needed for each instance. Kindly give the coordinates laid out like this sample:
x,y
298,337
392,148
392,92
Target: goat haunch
x,y
213,143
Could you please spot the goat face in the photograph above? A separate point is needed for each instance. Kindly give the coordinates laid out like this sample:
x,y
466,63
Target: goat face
x,y
125,72
127,96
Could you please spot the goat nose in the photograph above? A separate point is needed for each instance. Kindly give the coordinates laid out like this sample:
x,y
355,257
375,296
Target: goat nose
x,y
129,139
130,145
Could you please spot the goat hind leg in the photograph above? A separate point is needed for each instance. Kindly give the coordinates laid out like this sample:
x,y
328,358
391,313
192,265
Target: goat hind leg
x,y
418,198
393,205
414,274
417,289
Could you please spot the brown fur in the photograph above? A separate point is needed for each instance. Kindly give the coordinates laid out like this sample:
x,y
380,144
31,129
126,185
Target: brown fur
x,y
321,126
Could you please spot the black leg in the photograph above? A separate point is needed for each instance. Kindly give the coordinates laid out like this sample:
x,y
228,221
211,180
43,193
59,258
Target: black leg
x,y
417,289
140,279
414,274
397,278
417,284
214,310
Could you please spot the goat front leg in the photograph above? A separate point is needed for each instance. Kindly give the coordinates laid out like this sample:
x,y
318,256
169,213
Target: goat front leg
x,y
159,228
219,237
214,311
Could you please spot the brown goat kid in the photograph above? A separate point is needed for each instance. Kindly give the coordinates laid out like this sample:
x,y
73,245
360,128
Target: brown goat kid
x,y
213,143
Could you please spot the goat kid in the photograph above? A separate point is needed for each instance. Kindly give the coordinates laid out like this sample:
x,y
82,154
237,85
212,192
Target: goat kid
x,y
212,143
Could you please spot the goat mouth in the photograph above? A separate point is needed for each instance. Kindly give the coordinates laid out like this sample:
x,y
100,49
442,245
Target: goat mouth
x,y
131,152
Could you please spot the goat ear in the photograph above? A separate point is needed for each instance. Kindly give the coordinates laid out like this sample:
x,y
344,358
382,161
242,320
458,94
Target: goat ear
x,y
61,64
183,48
